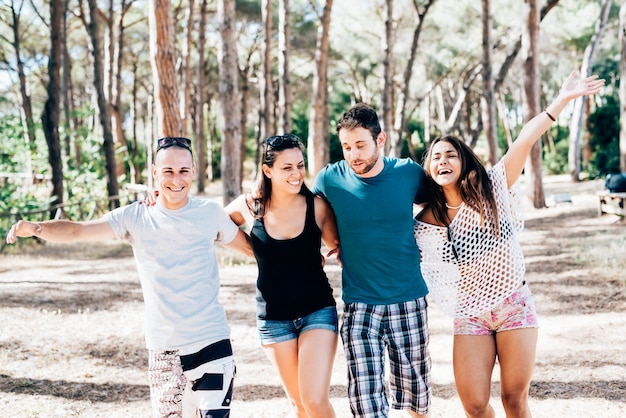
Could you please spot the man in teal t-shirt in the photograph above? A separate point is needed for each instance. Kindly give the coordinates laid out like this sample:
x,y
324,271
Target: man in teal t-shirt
x,y
382,285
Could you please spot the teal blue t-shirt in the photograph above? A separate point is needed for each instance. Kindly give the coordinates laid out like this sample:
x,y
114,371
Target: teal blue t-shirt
x,y
381,260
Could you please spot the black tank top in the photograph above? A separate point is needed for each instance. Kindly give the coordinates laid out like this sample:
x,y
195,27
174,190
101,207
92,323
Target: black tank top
x,y
291,282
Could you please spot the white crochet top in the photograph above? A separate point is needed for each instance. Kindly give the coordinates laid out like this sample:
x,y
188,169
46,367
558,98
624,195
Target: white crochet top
x,y
469,268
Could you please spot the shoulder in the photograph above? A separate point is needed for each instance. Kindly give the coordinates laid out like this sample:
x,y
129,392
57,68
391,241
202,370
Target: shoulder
x,y
427,216
404,164
321,205
239,210
207,204
497,173
335,169
130,210
331,174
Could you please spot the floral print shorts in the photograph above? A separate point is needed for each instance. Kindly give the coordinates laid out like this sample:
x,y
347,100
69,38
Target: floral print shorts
x,y
514,312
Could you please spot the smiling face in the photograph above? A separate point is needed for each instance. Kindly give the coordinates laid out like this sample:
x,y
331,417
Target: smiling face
x,y
173,173
287,172
444,165
361,151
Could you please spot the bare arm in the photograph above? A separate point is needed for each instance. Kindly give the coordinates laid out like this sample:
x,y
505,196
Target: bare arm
x,y
241,243
62,230
239,212
325,219
517,154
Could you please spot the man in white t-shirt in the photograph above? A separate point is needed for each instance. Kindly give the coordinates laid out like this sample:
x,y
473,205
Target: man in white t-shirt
x,y
187,335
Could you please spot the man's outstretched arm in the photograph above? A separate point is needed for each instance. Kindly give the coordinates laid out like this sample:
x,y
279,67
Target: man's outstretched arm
x,y
61,230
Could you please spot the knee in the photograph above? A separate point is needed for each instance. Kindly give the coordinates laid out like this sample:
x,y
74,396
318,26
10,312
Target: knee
x,y
316,404
515,403
478,408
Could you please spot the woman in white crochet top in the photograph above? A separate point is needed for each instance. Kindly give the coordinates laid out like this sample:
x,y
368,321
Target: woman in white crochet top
x,y
473,263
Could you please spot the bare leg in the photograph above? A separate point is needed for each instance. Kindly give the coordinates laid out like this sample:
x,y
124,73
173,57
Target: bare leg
x,y
284,356
516,353
317,349
415,414
474,357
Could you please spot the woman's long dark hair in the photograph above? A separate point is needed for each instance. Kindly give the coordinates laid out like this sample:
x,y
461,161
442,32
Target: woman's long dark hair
x,y
473,183
258,200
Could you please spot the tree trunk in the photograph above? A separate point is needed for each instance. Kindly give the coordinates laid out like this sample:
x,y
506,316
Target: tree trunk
x,y
488,99
187,73
508,61
400,123
580,105
117,88
532,103
245,73
108,145
133,117
318,140
67,89
622,88
50,116
265,78
284,47
387,87
462,98
163,59
26,101
228,93
201,141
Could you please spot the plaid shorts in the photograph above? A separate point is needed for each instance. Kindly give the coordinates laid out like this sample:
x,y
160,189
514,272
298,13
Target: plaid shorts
x,y
194,385
401,329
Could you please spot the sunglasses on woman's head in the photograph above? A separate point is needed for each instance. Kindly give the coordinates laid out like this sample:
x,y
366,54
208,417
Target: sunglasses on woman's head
x,y
278,140
171,141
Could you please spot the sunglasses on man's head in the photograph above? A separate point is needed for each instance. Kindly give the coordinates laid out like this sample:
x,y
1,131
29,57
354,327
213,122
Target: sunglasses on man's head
x,y
278,140
171,141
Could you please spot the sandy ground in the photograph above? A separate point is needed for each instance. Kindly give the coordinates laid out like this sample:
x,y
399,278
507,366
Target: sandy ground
x,y
71,339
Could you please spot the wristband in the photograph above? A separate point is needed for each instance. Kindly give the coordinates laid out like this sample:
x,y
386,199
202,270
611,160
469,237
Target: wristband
x,y
549,115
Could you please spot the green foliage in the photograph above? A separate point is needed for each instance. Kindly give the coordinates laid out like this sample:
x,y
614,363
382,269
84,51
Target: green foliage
x,y
300,120
248,8
603,126
337,105
17,193
416,128
216,161
556,162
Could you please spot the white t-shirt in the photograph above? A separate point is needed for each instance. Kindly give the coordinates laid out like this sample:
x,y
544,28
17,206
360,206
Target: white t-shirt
x,y
175,255
470,267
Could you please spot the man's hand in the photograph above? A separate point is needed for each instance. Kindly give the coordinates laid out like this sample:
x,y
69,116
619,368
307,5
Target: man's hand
x,y
151,199
22,229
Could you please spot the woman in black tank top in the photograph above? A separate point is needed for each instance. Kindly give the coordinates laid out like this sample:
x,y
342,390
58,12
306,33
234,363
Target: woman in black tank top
x,y
296,314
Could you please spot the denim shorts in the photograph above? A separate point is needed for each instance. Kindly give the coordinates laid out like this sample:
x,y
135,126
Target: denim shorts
x,y
273,331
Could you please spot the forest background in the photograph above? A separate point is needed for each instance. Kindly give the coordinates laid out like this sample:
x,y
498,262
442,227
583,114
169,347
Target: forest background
x,y
88,85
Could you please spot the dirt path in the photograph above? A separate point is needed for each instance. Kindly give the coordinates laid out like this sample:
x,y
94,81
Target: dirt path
x,y
71,340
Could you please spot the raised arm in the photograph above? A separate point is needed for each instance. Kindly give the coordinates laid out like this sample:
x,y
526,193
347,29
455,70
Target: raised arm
x,y
572,88
62,230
